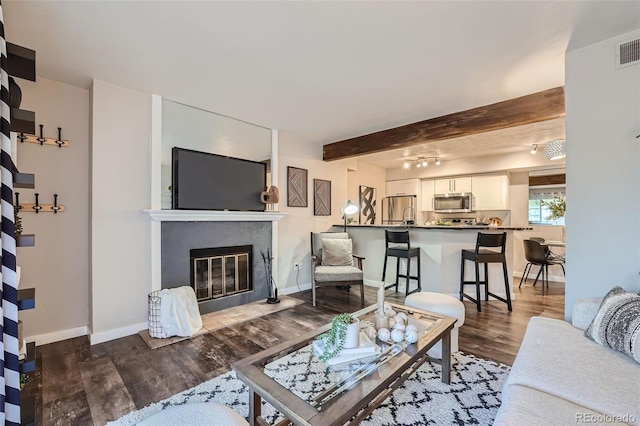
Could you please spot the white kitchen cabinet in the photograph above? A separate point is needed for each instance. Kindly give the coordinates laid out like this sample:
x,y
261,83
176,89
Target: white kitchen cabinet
x,y
459,184
491,192
403,187
428,191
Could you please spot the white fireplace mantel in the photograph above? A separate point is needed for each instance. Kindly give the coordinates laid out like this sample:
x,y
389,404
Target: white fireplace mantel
x,y
213,216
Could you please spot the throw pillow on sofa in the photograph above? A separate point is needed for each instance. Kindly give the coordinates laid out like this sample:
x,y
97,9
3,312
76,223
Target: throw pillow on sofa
x,y
617,322
337,252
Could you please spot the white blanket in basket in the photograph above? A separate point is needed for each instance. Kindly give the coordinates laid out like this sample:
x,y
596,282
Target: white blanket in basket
x,y
179,314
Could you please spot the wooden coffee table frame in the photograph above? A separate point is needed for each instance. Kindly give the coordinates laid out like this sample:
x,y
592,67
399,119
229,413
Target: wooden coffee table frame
x,y
367,394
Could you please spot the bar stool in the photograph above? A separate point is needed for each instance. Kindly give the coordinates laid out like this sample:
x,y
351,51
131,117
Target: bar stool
x,y
480,255
401,249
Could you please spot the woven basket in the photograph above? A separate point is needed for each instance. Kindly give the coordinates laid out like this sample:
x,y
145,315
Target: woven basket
x,y
155,328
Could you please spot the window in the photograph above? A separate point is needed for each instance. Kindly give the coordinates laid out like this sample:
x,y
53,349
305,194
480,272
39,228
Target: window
x,y
539,213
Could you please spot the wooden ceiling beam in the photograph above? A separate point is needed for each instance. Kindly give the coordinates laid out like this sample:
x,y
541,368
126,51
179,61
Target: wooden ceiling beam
x,y
537,107
559,179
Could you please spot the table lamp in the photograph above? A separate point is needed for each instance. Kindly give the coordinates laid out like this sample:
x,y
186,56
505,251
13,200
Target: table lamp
x,y
349,209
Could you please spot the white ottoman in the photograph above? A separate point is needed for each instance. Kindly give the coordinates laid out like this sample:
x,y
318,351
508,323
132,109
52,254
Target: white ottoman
x,y
440,304
196,414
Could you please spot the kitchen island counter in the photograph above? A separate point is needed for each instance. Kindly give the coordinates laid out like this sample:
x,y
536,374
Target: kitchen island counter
x,y
442,227
440,254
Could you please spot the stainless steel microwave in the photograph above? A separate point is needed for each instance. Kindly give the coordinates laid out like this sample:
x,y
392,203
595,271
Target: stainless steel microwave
x,y
453,202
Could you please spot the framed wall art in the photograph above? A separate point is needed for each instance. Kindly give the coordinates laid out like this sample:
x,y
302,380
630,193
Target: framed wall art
x,y
321,197
367,205
297,195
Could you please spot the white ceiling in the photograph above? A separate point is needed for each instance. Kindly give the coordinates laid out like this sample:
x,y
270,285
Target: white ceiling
x,y
322,71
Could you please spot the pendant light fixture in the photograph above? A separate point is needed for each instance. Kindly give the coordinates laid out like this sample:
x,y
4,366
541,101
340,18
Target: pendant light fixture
x,y
554,150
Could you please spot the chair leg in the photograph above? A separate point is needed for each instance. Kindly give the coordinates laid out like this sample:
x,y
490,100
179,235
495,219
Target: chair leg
x,y
406,290
419,275
537,276
461,277
384,267
362,294
506,285
397,272
478,286
313,294
486,282
525,274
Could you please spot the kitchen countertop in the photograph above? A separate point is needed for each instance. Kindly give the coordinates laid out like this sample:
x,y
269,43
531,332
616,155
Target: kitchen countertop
x,y
441,227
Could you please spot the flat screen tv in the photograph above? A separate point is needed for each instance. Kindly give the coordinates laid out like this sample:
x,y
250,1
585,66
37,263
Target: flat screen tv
x,y
204,181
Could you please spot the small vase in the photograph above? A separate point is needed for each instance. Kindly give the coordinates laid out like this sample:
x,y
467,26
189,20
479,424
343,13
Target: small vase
x,y
352,338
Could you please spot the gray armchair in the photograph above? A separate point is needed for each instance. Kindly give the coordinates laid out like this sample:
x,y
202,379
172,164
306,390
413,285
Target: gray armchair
x,y
325,275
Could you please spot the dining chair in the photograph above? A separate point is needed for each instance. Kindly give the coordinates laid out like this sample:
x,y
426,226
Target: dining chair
x,y
550,255
536,254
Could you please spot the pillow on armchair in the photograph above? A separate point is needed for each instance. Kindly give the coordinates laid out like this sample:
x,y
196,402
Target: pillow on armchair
x,y
617,323
337,252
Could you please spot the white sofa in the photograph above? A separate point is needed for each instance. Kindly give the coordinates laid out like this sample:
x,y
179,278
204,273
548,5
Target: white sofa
x,y
562,377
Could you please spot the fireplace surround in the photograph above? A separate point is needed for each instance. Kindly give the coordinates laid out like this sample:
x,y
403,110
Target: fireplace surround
x,y
179,238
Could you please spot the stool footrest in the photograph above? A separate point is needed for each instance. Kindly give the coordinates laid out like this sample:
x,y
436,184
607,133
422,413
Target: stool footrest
x,y
410,277
473,282
497,297
466,296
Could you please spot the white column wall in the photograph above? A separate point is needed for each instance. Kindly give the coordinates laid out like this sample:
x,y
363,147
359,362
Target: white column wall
x,y
120,231
603,173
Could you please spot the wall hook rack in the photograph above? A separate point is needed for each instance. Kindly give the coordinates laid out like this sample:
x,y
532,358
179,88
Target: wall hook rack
x,y
17,205
37,207
43,140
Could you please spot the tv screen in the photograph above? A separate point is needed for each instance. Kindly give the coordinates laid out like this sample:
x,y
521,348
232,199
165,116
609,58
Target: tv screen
x,y
204,181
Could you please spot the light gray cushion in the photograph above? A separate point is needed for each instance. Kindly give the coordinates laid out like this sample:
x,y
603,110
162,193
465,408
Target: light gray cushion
x,y
584,311
617,323
317,237
196,414
337,252
522,405
337,273
558,359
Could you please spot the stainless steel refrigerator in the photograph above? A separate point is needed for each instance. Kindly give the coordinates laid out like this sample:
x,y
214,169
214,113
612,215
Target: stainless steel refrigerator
x,y
398,209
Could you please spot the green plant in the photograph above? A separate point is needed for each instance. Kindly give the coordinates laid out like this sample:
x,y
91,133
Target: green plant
x,y
557,207
17,223
335,337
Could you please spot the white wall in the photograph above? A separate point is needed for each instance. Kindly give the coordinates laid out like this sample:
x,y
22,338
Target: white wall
x,y
58,265
120,230
602,120
367,175
294,230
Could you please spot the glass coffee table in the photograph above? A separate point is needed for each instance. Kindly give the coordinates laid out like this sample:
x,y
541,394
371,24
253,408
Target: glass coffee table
x,y
307,391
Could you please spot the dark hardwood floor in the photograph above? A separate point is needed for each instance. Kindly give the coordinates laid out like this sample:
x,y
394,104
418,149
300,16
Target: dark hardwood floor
x,y
80,384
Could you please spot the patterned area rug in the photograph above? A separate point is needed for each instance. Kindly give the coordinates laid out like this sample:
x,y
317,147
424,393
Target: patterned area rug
x,y
472,398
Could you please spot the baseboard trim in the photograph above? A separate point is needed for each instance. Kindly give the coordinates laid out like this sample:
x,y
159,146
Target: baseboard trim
x,y
290,290
56,336
553,278
372,283
116,333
